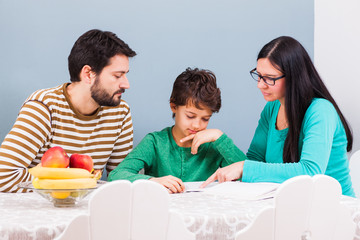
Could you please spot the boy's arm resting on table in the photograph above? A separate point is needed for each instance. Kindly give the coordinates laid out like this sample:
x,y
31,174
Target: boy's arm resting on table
x,y
128,170
319,128
21,145
141,157
123,144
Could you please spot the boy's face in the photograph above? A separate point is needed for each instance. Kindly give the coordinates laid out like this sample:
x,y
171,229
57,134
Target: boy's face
x,y
189,120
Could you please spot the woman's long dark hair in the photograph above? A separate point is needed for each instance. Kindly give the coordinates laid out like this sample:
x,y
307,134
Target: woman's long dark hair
x,y
302,84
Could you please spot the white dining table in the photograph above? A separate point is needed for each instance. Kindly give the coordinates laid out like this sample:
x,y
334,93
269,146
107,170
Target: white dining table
x,y
221,217
29,216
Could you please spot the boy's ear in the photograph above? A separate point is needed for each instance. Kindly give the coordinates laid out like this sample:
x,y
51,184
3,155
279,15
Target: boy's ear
x,y
173,107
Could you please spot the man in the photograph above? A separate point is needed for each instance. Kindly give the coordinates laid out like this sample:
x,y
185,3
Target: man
x,y
86,116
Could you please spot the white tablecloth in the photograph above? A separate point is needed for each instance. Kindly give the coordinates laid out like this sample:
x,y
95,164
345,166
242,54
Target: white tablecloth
x,y
29,216
219,217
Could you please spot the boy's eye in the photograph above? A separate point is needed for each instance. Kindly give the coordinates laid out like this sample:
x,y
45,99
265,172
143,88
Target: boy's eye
x,y
190,117
118,76
206,119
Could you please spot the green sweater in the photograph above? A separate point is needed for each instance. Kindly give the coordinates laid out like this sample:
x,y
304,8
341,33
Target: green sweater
x,y
322,146
160,156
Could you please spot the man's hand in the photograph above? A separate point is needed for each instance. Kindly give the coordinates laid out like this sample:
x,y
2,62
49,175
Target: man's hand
x,y
97,173
226,174
172,184
207,135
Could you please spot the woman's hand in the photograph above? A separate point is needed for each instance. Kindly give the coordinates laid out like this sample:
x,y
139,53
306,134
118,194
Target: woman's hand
x,y
207,135
172,184
225,174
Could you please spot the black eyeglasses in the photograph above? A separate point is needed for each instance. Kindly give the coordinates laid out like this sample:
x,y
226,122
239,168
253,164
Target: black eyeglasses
x,y
268,80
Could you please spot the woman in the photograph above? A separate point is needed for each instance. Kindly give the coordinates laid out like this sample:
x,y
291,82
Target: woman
x,y
301,130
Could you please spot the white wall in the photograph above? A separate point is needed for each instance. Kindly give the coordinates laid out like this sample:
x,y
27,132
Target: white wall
x,y
337,58
337,55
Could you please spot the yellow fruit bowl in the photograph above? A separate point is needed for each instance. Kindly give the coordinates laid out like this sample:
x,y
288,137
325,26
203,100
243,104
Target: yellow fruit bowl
x,y
62,197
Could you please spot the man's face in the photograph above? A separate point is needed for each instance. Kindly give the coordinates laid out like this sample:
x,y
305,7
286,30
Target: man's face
x,y
111,82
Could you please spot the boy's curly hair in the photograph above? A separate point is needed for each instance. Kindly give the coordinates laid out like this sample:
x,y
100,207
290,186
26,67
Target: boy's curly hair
x,y
196,87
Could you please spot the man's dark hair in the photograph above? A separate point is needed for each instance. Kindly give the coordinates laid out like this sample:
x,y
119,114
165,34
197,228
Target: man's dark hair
x,y
197,87
95,48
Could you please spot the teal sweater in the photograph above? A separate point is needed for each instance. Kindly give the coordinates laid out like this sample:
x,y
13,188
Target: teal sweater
x,y
160,156
322,146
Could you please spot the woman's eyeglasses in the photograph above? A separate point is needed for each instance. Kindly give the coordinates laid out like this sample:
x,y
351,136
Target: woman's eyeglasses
x,y
268,80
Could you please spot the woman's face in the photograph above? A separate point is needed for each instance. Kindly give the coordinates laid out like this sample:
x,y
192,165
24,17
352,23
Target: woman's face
x,y
270,93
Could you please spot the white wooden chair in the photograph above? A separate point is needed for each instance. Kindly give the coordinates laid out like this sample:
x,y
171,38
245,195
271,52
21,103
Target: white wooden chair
x,y
77,229
110,211
151,218
354,166
109,215
121,210
305,208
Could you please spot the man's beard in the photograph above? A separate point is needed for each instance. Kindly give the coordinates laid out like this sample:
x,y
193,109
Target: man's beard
x,y
102,97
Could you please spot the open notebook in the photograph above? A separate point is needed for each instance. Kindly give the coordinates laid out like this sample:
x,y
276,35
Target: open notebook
x,y
241,190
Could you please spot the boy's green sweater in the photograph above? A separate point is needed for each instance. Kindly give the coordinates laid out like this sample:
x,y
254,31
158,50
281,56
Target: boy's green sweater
x,y
160,156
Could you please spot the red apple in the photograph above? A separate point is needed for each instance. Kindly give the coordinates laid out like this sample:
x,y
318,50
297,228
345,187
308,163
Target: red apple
x,y
55,157
81,161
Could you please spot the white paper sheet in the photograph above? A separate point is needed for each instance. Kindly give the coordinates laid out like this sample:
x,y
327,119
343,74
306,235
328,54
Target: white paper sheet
x,y
194,186
242,190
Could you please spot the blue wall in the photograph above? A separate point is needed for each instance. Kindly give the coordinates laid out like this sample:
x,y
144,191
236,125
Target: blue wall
x,y
224,36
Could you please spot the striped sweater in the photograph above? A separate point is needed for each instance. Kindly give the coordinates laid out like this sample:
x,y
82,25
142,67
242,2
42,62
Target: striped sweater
x,y
48,119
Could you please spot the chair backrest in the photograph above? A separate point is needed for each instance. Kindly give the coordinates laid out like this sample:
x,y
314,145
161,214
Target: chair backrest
x,y
78,229
150,211
354,166
110,211
151,218
292,202
328,219
305,208
121,210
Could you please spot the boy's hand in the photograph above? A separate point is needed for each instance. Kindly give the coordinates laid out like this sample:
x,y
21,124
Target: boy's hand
x,y
207,135
226,174
172,184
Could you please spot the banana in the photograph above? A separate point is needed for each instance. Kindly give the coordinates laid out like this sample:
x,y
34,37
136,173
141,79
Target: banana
x,y
76,183
59,173
35,183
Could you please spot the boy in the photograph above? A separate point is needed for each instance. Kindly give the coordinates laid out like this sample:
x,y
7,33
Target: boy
x,y
186,151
